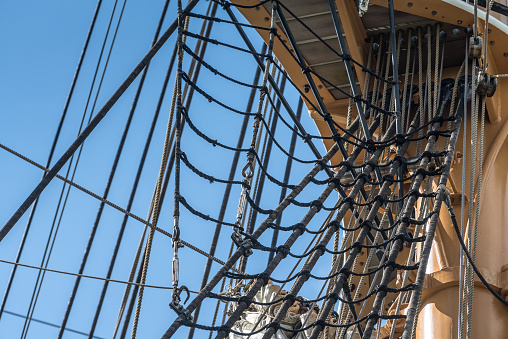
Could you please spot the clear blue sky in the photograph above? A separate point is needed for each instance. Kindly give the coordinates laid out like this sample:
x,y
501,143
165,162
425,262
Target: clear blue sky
x,y
40,45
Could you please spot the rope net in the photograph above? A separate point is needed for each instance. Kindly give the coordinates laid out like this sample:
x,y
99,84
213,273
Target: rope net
x,y
343,253
280,229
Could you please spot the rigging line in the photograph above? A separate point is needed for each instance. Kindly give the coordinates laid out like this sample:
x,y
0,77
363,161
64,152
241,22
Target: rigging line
x,y
239,253
51,324
135,290
326,115
342,278
460,325
395,69
287,173
468,255
109,181
40,277
201,47
86,132
349,70
135,184
296,234
266,127
227,191
127,289
286,105
266,159
52,151
128,213
412,312
87,276
160,230
317,237
472,176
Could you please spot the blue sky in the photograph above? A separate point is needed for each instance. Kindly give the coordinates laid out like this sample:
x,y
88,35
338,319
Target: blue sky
x,y
40,47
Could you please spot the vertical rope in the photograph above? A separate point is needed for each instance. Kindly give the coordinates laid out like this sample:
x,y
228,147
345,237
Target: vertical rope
x,y
420,92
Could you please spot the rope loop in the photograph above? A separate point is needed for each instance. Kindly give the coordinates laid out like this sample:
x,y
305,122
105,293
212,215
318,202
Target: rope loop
x,y
346,200
322,163
346,164
274,325
320,323
382,288
370,163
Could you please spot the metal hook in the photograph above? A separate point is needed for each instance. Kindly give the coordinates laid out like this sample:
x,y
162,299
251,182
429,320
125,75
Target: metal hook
x,y
177,292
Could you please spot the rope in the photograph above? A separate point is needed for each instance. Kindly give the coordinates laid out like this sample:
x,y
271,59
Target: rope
x,y
40,268
51,152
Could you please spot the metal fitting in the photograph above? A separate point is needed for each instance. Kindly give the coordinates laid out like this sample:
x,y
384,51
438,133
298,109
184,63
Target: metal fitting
x,y
475,47
487,85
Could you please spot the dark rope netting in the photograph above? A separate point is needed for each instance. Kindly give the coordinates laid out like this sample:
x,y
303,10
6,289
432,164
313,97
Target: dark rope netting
x,y
366,211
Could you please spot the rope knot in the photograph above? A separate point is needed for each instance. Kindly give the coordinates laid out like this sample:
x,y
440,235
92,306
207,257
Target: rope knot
x,y
283,250
264,277
335,181
245,299
317,204
290,297
337,138
402,160
380,198
346,57
300,227
224,329
367,223
320,323
321,248
400,139
334,224
305,274
333,296
357,244
345,271
274,325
